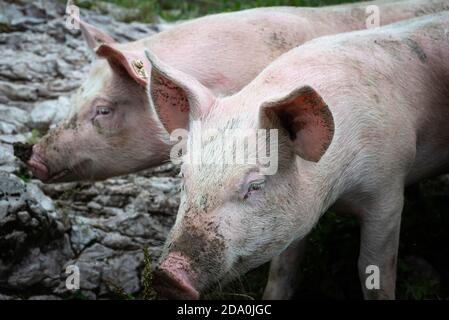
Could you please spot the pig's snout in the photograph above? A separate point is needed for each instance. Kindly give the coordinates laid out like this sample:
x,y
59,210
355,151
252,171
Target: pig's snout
x,y
172,279
35,163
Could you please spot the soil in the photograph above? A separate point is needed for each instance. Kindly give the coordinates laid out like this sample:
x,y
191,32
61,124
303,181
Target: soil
x,y
23,151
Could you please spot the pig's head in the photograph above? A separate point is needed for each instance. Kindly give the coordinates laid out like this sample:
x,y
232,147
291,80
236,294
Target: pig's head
x,y
111,129
234,216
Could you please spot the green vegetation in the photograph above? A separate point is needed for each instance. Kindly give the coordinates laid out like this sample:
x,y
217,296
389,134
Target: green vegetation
x,y
77,295
24,175
416,286
172,10
118,293
34,137
148,292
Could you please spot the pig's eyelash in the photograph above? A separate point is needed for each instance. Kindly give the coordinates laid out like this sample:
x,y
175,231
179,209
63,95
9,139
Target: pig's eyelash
x,y
103,110
253,186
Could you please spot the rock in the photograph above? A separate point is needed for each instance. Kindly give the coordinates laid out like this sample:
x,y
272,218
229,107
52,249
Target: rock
x,y
45,297
10,185
7,159
11,138
24,216
99,227
41,266
32,243
12,120
123,272
49,112
82,233
3,209
91,263
45,202
5,297
19,92
115,240
94,206
8,15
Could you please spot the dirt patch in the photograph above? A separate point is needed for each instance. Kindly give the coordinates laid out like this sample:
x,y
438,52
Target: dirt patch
x,y
417,49
23,151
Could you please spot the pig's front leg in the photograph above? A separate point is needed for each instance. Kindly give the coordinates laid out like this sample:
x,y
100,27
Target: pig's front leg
x,y
284,272
380,226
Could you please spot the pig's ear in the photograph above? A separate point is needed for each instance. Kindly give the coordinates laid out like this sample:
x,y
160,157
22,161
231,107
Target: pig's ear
x,y
176,96
306,118
133,62
93,36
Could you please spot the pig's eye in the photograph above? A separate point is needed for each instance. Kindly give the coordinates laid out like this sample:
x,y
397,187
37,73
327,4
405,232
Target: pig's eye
x,y
254,186
103,111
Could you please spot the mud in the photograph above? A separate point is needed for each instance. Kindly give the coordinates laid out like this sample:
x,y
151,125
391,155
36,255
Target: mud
x,y
23,151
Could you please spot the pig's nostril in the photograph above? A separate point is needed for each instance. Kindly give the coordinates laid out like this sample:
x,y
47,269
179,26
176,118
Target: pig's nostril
x,y
23,151
174,286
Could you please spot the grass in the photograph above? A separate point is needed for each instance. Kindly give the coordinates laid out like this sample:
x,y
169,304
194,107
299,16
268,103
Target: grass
x,y
148,292
24,175
118,293
34,137
413,286
172,10
77,295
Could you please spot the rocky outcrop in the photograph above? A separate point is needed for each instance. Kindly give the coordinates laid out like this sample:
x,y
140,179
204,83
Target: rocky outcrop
x,y
99,227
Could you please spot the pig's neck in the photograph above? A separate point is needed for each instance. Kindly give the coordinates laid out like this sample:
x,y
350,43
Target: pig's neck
x,y
319,186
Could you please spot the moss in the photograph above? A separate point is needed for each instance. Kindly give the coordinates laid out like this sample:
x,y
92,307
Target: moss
x,y
24,175
34,137
118,292
148,292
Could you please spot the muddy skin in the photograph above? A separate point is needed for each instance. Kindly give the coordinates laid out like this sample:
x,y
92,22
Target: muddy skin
x,y
72,124
416,48
23,151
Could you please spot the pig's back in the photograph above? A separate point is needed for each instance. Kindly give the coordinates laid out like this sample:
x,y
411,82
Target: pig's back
x,y
388,90
404,75
226,51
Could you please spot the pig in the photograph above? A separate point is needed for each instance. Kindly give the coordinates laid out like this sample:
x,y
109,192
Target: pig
x,y
359,116
111,130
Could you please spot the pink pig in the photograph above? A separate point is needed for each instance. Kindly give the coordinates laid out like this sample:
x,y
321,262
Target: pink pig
x,y
359,116
111,129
